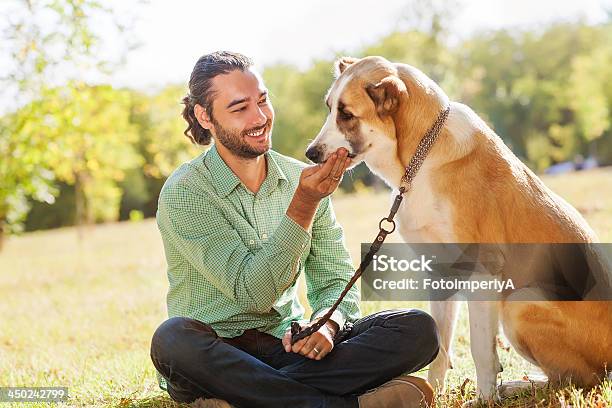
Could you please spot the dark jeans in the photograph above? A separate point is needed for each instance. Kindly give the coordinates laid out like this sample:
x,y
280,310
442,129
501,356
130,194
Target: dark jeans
x,y
253,370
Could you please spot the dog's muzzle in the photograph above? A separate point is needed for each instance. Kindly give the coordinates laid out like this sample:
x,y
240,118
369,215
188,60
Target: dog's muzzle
x,y
315,154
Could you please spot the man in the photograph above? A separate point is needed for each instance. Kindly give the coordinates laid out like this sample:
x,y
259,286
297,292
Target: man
x,y
240,223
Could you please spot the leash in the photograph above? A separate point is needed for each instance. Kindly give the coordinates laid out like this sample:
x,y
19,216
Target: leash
x,y
413,167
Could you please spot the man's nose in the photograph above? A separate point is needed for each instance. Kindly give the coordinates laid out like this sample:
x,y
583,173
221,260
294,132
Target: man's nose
x,y
259,118
315,153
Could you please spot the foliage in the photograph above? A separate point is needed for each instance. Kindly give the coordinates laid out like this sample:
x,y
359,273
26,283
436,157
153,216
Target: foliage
x,y
50,43
547,92
22,173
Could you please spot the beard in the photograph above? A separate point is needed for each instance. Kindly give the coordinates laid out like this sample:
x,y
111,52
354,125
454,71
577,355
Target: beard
x,y
236,141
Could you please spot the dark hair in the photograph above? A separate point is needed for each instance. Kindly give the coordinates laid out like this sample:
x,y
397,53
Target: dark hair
x,y
200,89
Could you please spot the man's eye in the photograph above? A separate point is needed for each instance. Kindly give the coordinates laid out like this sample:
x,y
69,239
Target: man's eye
x,y
264,100
240,110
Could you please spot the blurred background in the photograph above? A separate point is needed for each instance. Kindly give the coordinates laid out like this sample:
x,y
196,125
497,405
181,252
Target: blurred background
x,y
90,121
90,128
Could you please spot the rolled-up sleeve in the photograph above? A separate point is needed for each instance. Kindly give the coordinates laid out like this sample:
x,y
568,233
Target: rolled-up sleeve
x,y
328,268
201,233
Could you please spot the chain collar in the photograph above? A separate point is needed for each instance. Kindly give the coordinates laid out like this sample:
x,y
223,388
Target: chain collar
x,y
422,150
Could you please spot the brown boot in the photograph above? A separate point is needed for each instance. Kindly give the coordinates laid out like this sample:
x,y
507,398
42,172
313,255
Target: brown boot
x,y
210,403
404,391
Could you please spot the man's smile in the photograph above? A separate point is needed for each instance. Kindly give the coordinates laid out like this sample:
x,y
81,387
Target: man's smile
x,y
258,134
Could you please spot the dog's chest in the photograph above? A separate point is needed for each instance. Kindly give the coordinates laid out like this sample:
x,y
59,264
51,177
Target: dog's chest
x,y
424,216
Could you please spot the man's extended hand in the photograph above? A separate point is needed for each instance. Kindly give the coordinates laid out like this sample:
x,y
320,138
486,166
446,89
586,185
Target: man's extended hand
x,y
322,340
320,180
316,182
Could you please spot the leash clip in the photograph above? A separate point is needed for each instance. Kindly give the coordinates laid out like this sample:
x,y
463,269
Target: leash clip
x,y
389,220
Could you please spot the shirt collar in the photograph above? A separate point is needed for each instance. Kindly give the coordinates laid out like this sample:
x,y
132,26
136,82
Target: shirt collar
x,y
274,176
225,180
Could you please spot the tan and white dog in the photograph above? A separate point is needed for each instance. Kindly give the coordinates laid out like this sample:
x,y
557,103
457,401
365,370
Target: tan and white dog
x,y
471,188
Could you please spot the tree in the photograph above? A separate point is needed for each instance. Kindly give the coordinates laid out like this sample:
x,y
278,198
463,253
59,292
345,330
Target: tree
x,y
95,142
49,41
543,91
23,169
160,143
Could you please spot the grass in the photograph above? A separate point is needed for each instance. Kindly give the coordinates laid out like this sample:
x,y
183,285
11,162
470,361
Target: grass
x,y
81,314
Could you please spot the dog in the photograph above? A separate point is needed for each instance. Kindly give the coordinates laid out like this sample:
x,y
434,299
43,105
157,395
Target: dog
x,y
471,188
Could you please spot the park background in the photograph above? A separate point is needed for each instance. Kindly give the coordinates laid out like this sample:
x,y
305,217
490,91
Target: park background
x,y
90,128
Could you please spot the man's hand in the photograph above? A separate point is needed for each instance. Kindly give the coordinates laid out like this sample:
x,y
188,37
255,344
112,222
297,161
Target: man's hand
x,y
317,182
322,340
320,180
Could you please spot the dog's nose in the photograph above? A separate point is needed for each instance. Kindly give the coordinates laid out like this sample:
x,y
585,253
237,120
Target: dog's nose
x,y
315,153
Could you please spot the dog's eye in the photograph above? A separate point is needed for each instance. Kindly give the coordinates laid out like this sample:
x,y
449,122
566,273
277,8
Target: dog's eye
x,y
345,115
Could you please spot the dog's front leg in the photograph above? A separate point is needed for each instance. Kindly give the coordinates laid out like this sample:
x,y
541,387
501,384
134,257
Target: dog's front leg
x,y
484,320
445,315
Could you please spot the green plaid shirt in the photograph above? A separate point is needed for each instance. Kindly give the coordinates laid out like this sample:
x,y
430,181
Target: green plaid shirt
x,y
234,257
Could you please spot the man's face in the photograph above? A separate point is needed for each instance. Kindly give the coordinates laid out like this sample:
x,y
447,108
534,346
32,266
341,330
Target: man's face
x,y
242,115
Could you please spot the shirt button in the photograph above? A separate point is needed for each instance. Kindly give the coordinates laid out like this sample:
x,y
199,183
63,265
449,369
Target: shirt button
x,y
251,242
303,246
264,236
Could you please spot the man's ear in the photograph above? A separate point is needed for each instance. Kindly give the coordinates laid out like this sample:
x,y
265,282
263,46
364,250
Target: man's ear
x,y
342,63
202,117
386,94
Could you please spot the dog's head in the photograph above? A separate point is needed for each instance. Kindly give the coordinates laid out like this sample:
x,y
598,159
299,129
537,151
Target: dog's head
x,y
364,102
361,102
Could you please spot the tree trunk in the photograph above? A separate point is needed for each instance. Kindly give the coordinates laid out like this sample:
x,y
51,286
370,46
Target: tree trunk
x,y
82,213
2,232
3,223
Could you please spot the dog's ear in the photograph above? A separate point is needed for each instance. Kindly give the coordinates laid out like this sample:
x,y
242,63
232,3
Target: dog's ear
x,y
342,63
386,94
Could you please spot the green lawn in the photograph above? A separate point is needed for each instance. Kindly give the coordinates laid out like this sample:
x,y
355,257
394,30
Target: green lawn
x,y
81,314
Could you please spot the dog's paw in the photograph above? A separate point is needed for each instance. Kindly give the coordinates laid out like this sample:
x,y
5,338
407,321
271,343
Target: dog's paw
x,y
481,402
509,388
484,400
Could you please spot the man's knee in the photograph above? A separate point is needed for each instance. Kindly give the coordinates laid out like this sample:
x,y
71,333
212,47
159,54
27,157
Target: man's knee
x,y
173,340
430,337
421,333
